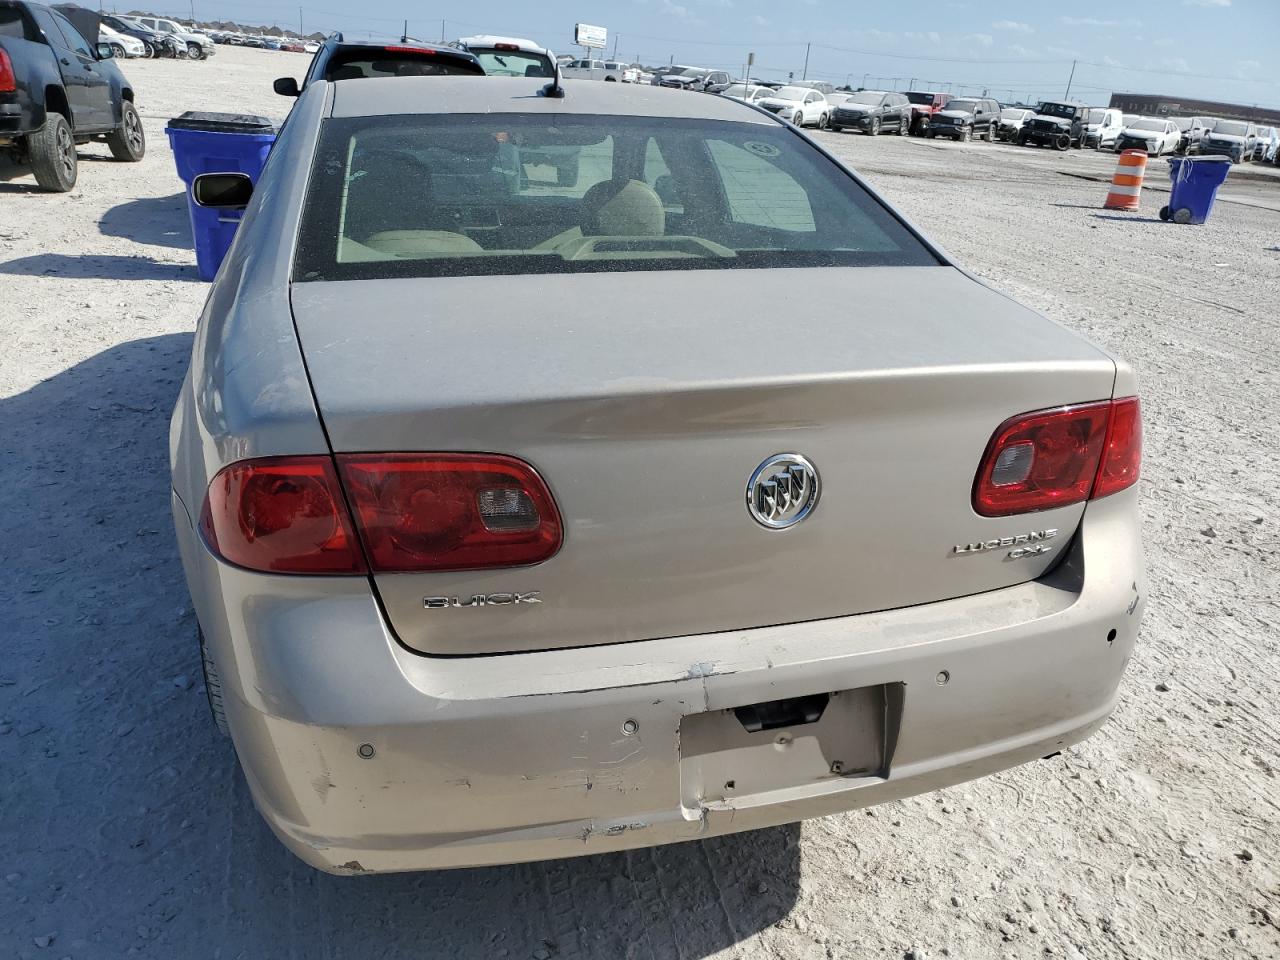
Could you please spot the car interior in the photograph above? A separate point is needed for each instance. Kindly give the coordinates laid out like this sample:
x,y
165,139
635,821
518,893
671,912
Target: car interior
x,y
607,189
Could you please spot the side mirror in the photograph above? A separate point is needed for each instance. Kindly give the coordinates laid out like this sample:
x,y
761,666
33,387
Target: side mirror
x,y
227,191
286,87
104,51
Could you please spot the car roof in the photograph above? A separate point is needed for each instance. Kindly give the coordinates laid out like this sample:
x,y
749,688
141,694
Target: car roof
x,y
391,96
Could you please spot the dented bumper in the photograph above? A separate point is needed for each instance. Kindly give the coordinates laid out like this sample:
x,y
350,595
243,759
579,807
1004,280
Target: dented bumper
x,y
363,756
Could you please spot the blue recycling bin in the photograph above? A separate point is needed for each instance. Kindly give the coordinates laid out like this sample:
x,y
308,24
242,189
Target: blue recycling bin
x,y
217,143
1195,186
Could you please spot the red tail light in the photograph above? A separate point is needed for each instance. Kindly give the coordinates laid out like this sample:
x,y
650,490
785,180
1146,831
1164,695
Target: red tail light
x,y
1055,458
413,512
8,82
281,515
506,46
450,511
1122,455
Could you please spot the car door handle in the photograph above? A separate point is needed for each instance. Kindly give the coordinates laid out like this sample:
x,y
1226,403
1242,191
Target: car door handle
x,y
65,62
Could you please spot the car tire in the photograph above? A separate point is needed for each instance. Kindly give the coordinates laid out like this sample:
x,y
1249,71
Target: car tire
x,y
212,687
874,129
53,155
195,51
824,121
904,127
148,50
117,51
128,142
966,134
922,127
835,129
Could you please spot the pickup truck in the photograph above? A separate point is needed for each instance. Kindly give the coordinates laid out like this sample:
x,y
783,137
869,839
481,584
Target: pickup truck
x,y
58,90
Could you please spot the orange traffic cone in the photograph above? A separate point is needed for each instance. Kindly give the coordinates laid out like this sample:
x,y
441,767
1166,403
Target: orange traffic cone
x,y
1126,185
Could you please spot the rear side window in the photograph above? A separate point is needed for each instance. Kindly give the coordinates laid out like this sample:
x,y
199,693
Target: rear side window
x,y
14,25
73,37
513,63
360,64
456,195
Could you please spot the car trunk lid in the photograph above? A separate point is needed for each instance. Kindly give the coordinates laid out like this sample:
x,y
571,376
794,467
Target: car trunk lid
x,y
646,400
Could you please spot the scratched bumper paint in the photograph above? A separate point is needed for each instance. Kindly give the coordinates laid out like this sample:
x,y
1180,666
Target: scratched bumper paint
x,y
531,756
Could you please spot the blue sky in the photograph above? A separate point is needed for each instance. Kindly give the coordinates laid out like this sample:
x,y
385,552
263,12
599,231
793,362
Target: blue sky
x,y
1217,49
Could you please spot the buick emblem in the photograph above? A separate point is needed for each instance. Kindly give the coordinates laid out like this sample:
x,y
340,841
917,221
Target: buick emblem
x,y
783,491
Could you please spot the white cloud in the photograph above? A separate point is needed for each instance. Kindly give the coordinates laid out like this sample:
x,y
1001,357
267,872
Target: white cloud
x,y
1130,23
981,39
677,12
1247,68
760,21
932,37
1163,42
1013,26
1176,64
1018,50
1206,3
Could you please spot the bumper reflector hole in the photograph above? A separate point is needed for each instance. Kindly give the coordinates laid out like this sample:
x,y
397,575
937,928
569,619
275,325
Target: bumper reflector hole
x,y
365,750
943,677
1111,637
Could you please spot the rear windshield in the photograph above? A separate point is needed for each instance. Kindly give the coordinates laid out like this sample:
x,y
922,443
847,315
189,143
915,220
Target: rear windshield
x,y
12,24
513,63
357,64
964,106
925,98
456,194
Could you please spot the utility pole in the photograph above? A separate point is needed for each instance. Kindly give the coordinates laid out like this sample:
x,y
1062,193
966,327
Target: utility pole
x,y
300,33
615,46
805,75
864,80
442,30
404,35
1067,95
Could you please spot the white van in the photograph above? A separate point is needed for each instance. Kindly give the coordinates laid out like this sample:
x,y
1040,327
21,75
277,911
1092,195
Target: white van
x,y
1104,127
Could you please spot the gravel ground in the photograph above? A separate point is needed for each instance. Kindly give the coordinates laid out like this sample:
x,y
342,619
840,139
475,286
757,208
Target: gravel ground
x,y
125,827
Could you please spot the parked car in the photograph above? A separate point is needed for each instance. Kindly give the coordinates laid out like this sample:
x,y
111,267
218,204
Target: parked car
x,y
122,45
510,56
583,69
196,46
966,118
1011,122
155,43
1103,127
1236,139
695,78
1059,124
56,91
1191,131
425,657
749,93
618,72
924,104
803,106
872,111
342,59
1156,135
822,86
1268,139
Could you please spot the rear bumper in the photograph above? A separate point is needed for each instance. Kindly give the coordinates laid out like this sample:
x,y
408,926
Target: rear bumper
x,y
531,756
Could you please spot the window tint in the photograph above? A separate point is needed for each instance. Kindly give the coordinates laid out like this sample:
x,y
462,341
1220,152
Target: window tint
x,y
74,40
446,195
362,63
13,25
44,20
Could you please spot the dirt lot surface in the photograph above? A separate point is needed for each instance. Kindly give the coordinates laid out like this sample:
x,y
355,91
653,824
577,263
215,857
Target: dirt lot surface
x,y
126,829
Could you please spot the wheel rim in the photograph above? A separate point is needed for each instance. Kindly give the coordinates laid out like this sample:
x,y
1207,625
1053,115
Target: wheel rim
x,y
66,152
875,126
133,130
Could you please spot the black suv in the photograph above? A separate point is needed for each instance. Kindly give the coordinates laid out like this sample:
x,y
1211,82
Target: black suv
x,y
1060,124
339,59
872,111
966,118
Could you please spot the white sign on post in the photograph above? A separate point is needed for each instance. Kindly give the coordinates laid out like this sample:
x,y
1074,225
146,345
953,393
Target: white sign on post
x,y
585,35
